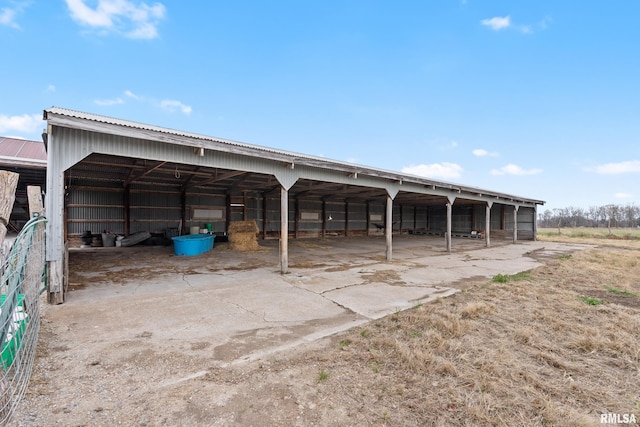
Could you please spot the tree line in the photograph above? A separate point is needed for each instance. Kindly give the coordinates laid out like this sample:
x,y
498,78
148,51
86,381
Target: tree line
x,y
595,216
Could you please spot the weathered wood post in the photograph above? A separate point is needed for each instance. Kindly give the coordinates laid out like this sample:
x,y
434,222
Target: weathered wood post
x,y
8,184
34,195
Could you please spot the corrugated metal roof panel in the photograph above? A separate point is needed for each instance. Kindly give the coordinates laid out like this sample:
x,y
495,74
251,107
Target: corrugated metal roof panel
x,y
22,149
295,158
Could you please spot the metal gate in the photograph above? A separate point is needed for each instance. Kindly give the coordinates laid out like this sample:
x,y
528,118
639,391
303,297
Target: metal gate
x,y
23,273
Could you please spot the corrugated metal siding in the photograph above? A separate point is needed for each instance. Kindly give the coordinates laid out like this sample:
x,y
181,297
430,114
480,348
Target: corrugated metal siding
x,y
526,219
497,211
437,219
422,218
462,219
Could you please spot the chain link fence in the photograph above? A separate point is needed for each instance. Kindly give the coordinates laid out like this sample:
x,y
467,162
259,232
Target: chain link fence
x,y
23,272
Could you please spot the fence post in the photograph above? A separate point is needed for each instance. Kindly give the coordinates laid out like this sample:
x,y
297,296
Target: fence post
x,y
34,194
8,184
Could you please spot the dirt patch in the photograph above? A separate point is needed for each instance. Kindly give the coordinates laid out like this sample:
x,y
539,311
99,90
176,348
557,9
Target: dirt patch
x,y
390,277
525,352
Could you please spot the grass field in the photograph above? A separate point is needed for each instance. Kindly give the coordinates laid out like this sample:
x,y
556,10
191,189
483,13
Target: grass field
x,y
555,346
598,236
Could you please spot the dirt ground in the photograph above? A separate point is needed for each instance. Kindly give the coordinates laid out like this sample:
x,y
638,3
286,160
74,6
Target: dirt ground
x,y
557,345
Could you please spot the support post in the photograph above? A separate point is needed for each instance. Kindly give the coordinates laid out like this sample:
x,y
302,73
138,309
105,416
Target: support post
x,y
388,228
126,195
36,205
368,213
535,223
346,218
264,216
284,230
487,225
228,211
324,219
296,218
449,220
57,267
515,224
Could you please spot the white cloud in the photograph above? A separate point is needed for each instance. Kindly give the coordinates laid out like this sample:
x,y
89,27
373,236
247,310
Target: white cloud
x,y
497,23
481,152
172,105
444,170
512,169
26,123
623,196
629,166
132,95
108,102
8,17
136,21
51,88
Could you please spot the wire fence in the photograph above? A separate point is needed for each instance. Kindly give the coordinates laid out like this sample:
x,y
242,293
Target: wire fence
x,y
23,272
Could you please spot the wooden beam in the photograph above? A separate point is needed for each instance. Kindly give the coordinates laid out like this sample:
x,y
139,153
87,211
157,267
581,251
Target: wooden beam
x,y
215,178
147,171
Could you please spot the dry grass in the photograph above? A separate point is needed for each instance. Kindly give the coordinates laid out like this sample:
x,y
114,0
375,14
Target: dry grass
x,y
525,352
613,237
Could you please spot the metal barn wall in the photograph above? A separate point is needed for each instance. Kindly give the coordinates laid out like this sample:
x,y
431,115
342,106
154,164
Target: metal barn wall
x,y
95,207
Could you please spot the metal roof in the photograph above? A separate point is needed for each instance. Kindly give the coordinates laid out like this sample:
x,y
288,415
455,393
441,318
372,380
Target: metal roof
x,y
56,115
22,152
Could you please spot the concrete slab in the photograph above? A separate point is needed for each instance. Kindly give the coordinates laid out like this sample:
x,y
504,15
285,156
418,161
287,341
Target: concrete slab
x,y
237,305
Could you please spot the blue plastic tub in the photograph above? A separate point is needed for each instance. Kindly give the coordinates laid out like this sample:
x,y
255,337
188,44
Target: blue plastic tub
x,y
192,244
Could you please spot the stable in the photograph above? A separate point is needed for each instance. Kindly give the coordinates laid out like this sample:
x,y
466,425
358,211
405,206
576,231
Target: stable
x,y
108,174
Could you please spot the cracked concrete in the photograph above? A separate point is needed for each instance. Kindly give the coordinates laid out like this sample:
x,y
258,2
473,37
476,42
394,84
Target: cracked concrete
x,y
248,312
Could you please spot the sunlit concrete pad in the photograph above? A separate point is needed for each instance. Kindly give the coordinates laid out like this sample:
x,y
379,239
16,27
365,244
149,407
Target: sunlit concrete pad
x,y
375,300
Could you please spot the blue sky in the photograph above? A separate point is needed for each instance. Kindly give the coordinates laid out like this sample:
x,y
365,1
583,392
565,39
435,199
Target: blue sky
x,y
536,98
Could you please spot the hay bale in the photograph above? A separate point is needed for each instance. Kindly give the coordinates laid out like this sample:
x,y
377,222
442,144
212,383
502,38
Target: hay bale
x,y
243,227
242,235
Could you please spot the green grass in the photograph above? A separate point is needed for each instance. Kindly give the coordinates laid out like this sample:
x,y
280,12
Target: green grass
x,y
504,278
323,375
590,300
620,292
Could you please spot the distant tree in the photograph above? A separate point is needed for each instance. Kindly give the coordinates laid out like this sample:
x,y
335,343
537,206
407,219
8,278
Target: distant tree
x,y
595,216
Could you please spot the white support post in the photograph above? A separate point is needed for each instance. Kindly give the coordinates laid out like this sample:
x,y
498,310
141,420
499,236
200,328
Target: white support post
x,y
515,224
535,223
388,228
487,225
449,220
284,230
